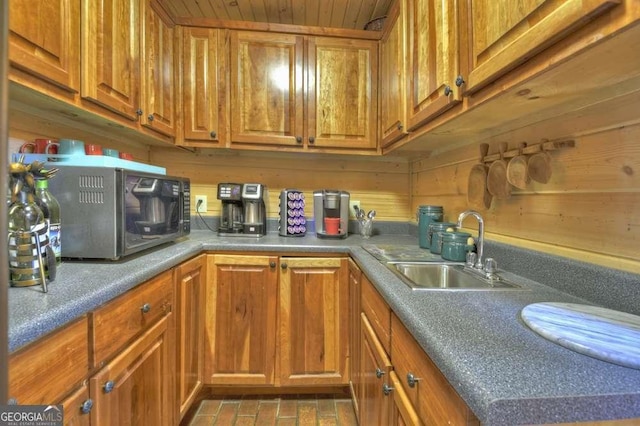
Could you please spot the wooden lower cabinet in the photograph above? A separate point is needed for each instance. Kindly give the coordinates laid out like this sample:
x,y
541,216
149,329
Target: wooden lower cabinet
x,y
134,387
46,370
313,325
434,399
240,319
401,411
276,326
375,366
190,281
77,407
355,283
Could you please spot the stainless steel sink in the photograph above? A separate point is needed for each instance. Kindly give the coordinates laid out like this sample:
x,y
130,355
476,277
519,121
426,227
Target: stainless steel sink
x,y
446,276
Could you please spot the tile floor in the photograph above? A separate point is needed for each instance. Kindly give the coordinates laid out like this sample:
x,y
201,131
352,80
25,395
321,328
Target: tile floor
x,y
275,410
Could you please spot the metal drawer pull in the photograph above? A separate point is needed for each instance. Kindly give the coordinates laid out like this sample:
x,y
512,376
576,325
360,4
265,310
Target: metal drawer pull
x,y
386,389
412,380
145,308
108,387
86,406
379,373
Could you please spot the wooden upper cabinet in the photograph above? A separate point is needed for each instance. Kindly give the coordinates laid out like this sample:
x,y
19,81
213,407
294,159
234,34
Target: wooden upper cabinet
x,y
200,78
44,40
314,319
158,77
110,55
393,107
506,33
240,319
266,88
342,93
282,96
434,59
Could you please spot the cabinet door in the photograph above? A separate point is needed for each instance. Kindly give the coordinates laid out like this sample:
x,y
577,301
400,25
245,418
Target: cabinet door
x,y
393,117
110,55
314,332
342,96
190,281
266,88
375,365
505,33
433,59
77,407
44,40
240,319
433,397
355,275
134,388
158,64
402,410
200,84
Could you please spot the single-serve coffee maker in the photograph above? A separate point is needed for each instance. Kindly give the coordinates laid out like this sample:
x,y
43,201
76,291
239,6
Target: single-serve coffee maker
x,y
255,214
231,216
331,213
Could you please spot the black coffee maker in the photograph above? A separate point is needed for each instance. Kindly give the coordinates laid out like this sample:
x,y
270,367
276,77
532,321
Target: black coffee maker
x,y
232,215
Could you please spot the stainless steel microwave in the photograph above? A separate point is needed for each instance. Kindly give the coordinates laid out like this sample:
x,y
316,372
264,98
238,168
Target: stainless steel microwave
x,y
110,212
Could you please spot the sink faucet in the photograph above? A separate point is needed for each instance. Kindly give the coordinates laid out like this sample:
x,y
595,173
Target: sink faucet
x,y
463,215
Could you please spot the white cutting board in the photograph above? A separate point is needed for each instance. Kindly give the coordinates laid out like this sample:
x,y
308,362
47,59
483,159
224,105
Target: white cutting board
x,y
601,333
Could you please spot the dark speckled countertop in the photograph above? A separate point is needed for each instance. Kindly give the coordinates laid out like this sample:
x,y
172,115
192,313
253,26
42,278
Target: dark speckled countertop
x,y
505,372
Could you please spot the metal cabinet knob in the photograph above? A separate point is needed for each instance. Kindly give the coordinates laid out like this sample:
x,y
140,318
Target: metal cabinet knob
x,y
12,401
386,389
284,265
299,139
150,117
400,126
447,91
460,81
145,308
86,406
312,139
272,264
379,373
412,380
213,135
139,111
108,387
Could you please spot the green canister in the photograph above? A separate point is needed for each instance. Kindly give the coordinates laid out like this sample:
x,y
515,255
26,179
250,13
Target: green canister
x,y
427,215
435,229
455,246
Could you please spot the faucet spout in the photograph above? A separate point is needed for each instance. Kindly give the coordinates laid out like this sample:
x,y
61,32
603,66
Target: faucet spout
x,y
461,218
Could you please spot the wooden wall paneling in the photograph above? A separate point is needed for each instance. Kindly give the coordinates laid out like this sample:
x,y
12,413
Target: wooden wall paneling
x,y
381,184
588,208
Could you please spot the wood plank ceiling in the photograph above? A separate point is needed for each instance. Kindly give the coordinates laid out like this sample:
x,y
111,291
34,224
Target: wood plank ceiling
x,y
349,14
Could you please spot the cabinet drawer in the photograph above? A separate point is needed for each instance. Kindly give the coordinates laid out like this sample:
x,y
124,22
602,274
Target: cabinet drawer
x,y
124,318
433,397
377,311
42,373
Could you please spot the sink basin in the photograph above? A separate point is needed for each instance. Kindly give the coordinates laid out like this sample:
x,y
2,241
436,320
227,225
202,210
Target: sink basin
x,y
446,276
